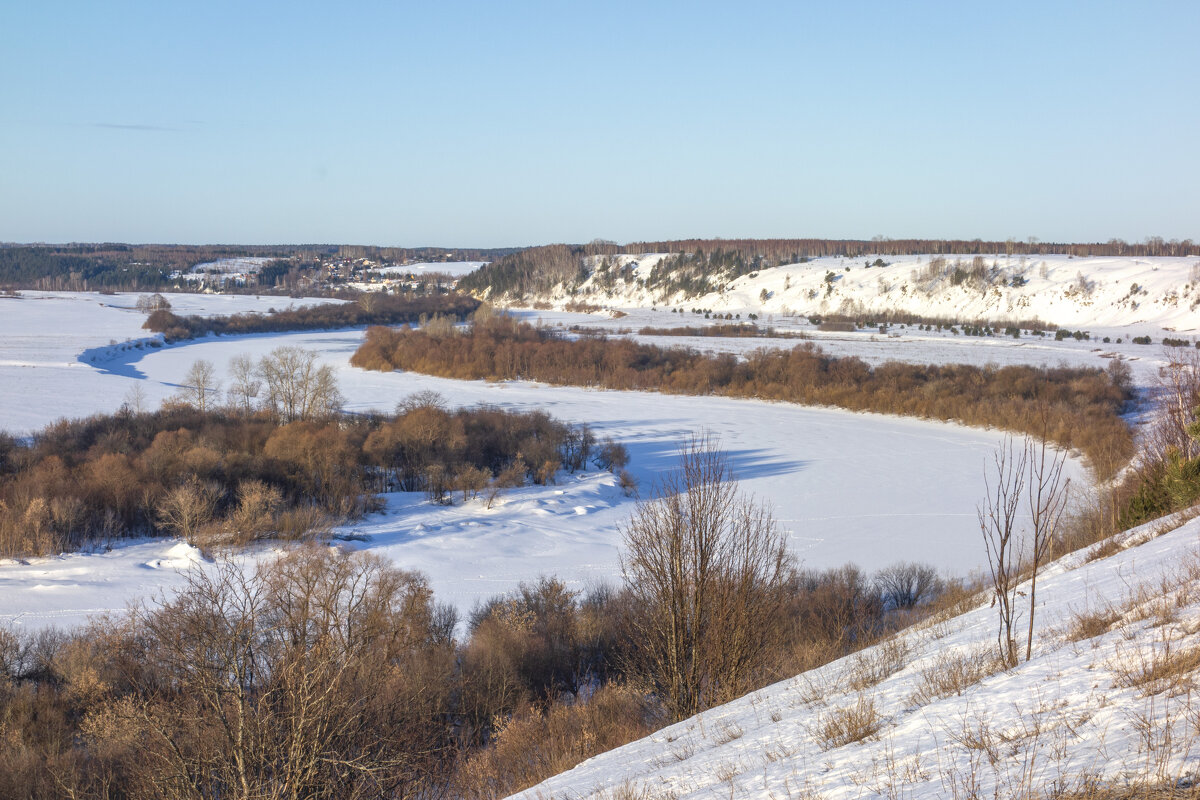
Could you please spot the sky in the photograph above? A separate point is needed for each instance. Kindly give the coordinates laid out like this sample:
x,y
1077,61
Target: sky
x,y
497,124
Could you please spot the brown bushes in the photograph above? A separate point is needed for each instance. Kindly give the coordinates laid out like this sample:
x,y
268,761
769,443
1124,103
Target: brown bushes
x,y
338,673
219,478
534,744
740,330
1073,407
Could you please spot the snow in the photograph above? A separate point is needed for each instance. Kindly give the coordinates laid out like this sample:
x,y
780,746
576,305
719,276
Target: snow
x,y
1063,716
453,268
49,342
847,487
866,488
1136,295
243,265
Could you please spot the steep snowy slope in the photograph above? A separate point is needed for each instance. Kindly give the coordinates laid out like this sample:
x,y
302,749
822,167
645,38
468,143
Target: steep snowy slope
x,y
1087,292
1108,695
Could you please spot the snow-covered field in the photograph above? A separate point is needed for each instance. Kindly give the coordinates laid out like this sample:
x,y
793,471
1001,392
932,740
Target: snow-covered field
x,y
847,487
47,341
454,268
242,265
1097,703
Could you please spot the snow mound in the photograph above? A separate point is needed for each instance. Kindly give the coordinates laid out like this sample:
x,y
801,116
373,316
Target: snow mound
x,y
181,556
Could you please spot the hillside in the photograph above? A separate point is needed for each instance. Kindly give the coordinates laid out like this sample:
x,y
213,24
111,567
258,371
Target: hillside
x,y
1096,292
1107,698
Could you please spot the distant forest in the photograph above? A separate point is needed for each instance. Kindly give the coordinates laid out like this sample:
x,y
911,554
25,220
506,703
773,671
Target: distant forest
x,y
142,267
517,272
369,309
699,263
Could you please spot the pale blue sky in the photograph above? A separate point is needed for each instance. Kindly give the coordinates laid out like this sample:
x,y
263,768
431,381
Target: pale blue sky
x,y
508,123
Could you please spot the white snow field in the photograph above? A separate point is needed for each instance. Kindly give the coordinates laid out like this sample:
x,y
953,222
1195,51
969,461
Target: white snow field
x,y
1102,703
847,487
455,268
229,268
47,341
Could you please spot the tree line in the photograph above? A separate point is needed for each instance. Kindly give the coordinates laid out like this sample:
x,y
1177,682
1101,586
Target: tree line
x,y
366,309
790,251
737,330
143,267
1074,407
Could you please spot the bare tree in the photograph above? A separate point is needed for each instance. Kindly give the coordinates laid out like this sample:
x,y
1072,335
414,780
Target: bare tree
x,y
148,303
200,385
297,387
319,675
426,398
187,507
906,584
135,399
1179,388
1046,501
998,522
706,565
244,384
1027,496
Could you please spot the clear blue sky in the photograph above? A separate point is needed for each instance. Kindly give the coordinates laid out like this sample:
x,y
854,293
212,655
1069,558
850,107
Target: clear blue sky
x,y
509,123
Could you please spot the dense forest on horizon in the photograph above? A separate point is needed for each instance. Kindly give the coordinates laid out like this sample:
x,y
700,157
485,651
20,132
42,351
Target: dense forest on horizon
x,y
512,270
142,267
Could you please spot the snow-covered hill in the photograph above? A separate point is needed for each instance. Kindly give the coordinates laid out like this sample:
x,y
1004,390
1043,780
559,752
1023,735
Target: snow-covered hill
x,y
1109,695
1076,292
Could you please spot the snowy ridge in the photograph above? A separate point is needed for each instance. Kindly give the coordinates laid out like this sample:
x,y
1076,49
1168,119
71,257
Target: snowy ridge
x,y
1107,696
1161,292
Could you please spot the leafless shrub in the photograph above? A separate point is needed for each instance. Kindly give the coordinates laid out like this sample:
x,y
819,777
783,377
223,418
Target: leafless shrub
x,y
727,732
534,744
849,724
872,666
952,673
186,508
471,480
1090,624
426,398
611,455
303,522
1169,668
706,566
906,584
628,483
